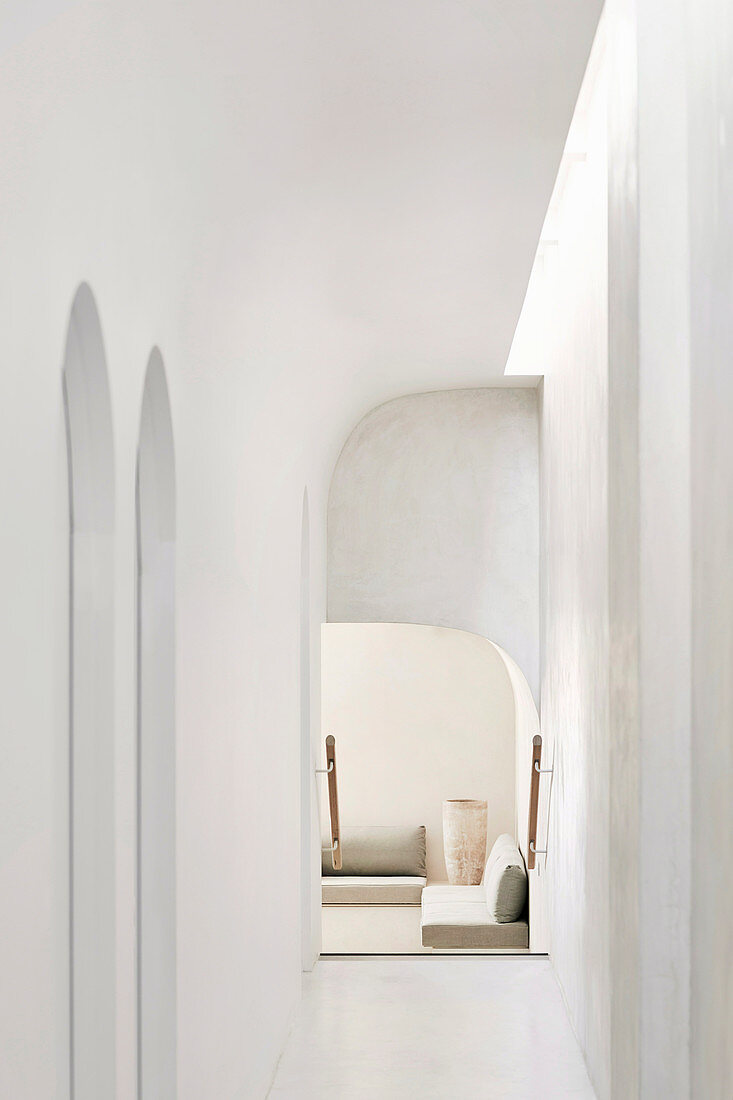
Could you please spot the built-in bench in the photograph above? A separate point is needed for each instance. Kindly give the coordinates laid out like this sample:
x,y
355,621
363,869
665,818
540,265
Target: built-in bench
x,y
492,916
379,900
380,865
372,904
373,890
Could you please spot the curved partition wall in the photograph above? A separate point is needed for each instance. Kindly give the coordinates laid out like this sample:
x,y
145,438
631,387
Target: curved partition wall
x,y
91,713
433,518
157,1018
526,725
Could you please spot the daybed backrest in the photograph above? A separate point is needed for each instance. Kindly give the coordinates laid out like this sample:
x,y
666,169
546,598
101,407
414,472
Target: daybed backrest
x,y
380,850
505,881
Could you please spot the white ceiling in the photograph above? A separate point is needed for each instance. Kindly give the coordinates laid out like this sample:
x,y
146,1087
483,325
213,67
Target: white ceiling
x,y
391,160
436,136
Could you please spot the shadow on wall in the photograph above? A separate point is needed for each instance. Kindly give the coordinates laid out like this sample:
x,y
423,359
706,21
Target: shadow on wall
x,y
310,854
156,532
91,716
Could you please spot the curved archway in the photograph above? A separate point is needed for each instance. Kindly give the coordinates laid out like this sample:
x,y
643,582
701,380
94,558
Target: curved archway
x,y
433,517
90,451
156,746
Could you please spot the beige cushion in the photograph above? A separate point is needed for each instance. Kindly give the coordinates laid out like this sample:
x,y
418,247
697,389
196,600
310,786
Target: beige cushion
x,y
379,850
372,890
505,881
457,917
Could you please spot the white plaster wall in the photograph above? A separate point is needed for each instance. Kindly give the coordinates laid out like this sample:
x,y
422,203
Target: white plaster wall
x,y
564,332
246,187
671,227
650,541
526,726
666,540
623,544
575,604
709,55
420,714
433,518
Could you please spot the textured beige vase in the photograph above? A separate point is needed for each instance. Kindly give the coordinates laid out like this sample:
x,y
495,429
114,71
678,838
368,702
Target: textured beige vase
x,y
464,840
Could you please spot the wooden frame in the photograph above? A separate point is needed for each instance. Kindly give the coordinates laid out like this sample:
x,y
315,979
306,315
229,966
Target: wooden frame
x,y
333,802
534,795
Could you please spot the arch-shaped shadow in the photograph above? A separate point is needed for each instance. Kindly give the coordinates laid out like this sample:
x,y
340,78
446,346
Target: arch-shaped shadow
x,y
156,855
310,854
90,451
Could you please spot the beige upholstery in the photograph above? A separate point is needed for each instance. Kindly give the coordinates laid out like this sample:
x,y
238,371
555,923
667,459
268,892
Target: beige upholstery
x,y
505,881
458,917
378,850
372,889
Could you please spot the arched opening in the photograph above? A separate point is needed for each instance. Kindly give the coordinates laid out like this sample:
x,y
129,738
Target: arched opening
x,y
90,453
156,748
433,544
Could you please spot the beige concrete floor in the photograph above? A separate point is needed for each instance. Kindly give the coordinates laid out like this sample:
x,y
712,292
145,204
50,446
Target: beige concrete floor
x,y
432,1028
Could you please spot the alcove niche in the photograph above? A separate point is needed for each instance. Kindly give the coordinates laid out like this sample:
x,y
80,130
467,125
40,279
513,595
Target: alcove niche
x,y
156,747
90,453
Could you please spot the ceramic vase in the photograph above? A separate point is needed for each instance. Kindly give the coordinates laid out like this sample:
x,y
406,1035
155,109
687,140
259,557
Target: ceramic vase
x,y
464,840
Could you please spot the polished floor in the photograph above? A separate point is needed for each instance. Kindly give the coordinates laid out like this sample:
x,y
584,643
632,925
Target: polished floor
x,y
433,1028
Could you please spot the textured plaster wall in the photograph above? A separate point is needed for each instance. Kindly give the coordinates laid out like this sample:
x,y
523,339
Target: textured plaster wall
x,y
667,540
650,541
671,544
623,544
575,676
433,518
564,331
710,60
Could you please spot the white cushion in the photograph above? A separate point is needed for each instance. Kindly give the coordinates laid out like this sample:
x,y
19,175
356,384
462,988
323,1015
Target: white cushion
x,y
457,917
443,894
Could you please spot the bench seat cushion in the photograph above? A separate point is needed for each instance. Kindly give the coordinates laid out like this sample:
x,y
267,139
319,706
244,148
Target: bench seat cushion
x,y
457,917
372,889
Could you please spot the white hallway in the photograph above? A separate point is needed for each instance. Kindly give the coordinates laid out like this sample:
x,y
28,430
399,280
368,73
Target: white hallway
x,y
436,1028
299,212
